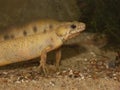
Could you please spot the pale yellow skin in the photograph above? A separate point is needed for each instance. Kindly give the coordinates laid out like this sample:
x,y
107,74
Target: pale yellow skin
x,y
29,47
21,49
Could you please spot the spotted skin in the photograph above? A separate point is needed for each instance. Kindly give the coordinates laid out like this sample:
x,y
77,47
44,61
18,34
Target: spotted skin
x,y
31,28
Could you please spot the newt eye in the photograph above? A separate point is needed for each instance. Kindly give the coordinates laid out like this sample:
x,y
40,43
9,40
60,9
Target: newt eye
x,y
73,26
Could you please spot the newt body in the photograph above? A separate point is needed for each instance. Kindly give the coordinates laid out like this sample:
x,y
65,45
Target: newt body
x,y
29,47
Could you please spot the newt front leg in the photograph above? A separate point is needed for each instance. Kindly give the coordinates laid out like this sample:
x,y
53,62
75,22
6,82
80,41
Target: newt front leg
x,y
43,65
58,57
43,57
43,62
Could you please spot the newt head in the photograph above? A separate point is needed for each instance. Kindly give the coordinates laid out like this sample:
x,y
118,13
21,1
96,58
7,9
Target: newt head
x,y
70,30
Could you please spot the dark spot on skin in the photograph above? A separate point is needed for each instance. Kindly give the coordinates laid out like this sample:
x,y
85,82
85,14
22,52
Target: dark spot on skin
x,y
44,31
25,33
35,29
12,36
52,39
73,26
50,26
6,37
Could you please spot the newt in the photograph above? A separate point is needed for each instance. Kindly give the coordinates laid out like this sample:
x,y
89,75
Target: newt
x,y
38,45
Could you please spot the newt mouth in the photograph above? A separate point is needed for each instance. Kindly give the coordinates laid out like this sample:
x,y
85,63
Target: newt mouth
x,y
73,35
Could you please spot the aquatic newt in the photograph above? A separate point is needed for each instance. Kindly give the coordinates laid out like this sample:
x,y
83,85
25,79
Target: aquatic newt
x,y
38,45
